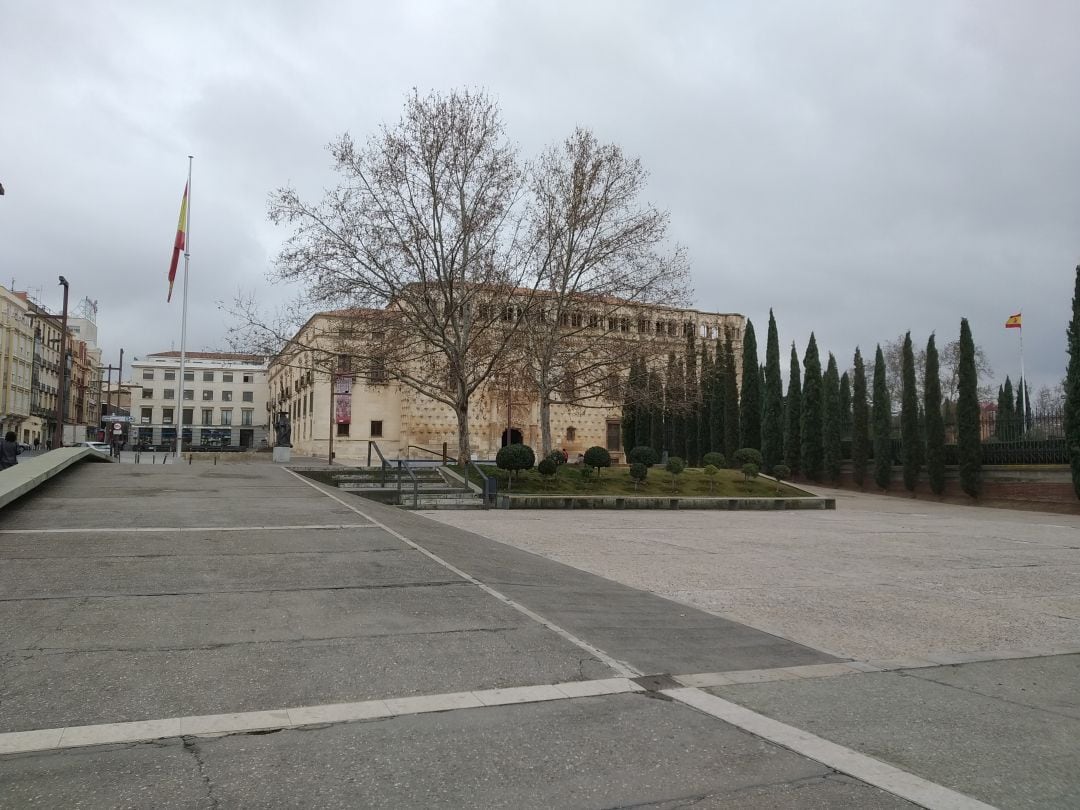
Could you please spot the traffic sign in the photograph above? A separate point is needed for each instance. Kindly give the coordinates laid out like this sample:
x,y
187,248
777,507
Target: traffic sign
x,y
127,419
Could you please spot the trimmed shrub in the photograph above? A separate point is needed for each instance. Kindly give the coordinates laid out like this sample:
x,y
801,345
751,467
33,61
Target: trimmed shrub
x,y
781,472
711,470
643,455
639,472
675,466
514,457
715,459
547,468
750,470
747,455
597,457
558,457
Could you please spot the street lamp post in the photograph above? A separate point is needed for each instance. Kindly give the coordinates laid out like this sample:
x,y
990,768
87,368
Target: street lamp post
x,y
58,438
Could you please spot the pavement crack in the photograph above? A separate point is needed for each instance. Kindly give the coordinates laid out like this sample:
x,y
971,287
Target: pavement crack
x,y
192,747
294,589
971,690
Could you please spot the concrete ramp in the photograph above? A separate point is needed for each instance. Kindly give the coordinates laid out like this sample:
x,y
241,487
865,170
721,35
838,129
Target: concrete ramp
x,y
32,472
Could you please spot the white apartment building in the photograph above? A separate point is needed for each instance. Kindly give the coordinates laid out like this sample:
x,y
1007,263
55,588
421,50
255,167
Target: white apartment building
x,y
224,400
16,368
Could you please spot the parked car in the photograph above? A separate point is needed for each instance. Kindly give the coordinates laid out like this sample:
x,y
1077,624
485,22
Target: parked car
x,y
101,447
24,447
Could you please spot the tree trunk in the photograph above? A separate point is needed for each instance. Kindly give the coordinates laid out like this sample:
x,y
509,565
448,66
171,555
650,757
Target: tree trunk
x,y
545,424
464,450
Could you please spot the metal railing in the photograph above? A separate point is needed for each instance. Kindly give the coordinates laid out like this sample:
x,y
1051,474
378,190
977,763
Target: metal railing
x,y
385,466
440,454
488,488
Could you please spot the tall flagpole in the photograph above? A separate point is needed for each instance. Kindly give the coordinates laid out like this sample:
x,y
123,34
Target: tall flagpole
x,y
1023,380
183,324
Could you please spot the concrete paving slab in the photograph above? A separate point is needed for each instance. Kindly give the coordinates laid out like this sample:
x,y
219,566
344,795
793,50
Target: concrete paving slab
x,y
1003,747
587,753
878,578
44,690
205,621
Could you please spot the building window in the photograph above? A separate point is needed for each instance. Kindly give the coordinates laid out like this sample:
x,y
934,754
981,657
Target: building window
x,y
148,393
226,416
148,374
226,396
188,415
624,324
189,376
170,375
248,396
571,434
376,429
189,393
208,416
169,393
208,376
246,416
614,435
249,378
343,430
208,396
643,326
166,416
146,415
377,373
226,376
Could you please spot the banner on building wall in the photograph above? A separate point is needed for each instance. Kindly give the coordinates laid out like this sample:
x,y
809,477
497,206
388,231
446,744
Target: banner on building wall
x,y
343,399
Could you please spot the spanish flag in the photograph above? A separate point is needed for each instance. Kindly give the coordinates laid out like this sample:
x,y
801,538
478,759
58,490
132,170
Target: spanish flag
x,y
181,239
1013,322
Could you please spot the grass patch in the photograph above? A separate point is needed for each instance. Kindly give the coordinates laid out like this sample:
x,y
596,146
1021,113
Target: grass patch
x,y
616,481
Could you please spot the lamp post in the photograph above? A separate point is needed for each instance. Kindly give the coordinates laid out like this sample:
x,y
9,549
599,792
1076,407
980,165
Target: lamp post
x,y
58,438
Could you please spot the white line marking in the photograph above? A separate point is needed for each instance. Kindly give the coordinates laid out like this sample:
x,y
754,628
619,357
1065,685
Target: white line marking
x,y
621,667
188,529
872,771
214,725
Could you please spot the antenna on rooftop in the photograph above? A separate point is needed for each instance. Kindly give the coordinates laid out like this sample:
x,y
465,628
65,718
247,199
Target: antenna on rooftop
x,y
87,309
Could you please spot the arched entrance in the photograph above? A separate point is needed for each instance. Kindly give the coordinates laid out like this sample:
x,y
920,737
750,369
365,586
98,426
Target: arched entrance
x,y
515,437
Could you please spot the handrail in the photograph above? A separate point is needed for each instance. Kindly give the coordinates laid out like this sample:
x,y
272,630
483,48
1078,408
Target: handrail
x,y
400,465
487,491
438,453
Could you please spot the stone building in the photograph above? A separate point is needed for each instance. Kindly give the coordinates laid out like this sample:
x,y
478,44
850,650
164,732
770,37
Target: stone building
x,y
224,400
368,406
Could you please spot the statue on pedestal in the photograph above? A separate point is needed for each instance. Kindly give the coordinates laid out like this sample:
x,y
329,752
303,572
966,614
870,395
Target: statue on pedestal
x,y
284,430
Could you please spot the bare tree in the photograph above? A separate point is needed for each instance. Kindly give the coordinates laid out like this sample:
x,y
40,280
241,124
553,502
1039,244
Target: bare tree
x,y
424,227
950,369
597,257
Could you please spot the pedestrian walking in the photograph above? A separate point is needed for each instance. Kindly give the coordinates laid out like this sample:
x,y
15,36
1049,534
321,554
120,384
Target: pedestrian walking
x,y
9,451
37,443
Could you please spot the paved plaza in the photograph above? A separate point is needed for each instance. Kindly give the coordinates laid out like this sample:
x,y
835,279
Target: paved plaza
x,y
235,635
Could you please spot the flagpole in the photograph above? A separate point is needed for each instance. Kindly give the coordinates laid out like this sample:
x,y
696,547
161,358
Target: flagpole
x,y
183,324
1023,383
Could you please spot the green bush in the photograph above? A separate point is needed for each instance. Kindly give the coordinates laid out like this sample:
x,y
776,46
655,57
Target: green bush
x,y
750,470
515,457
747,455
597,457
558,457
675,466
639,472
643,455
547,468
711,470
781,472
715,459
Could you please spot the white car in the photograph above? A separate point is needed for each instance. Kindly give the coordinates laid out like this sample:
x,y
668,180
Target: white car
x,y
101,447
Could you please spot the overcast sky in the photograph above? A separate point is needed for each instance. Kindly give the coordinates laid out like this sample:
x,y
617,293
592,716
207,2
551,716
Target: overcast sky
x,y
863,168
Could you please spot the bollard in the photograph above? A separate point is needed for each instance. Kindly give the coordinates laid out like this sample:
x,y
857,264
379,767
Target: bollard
x,y
215,460
189,457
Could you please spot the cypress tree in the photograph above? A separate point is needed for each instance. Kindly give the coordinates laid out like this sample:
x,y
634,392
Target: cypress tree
x,y
910,439
999,413
793,416
750,395
935,424
731,404
772,426
643,419
693,402
656,411
716,387
1009,419
1072,387
677,393
882,416
830,417
860,427
813,449
669,403
704,421
845,406
969,448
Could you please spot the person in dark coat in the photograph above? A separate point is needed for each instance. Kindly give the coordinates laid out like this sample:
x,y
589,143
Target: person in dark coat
x,y
9,451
